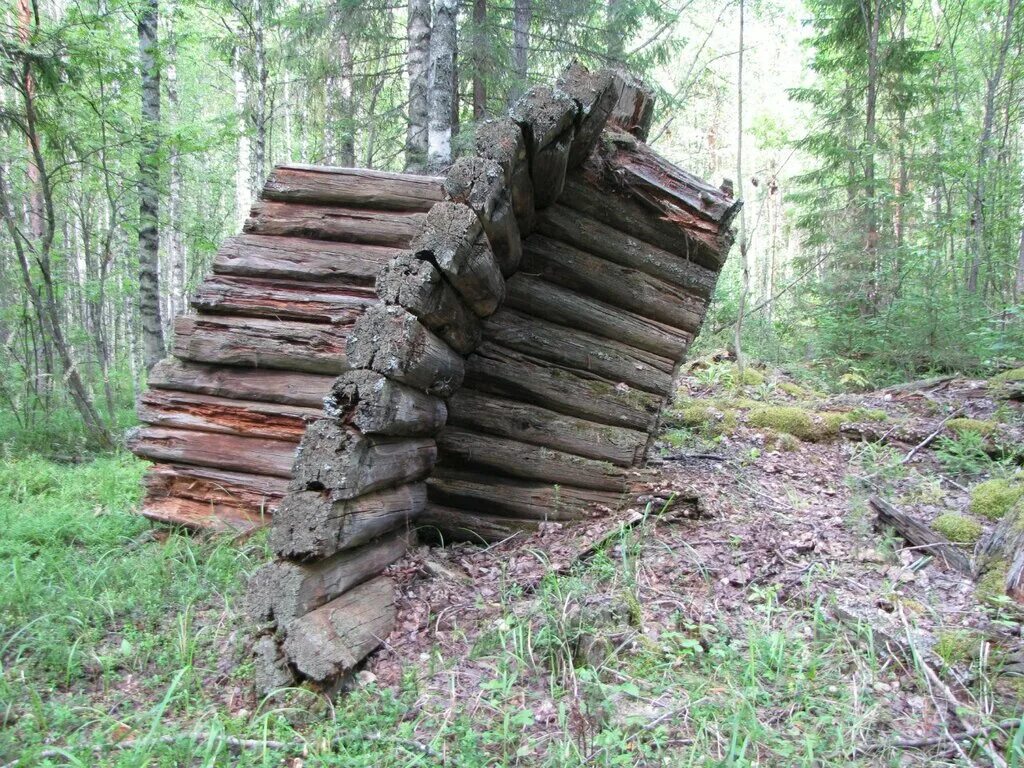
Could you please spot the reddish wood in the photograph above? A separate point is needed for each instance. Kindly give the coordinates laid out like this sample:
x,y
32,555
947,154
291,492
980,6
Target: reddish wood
x,y
282,299
299,258
634,107
255,455
352,187
261,384
321,222
188,410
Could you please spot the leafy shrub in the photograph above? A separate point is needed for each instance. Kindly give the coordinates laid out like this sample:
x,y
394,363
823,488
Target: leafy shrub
x,y
965,455
959,529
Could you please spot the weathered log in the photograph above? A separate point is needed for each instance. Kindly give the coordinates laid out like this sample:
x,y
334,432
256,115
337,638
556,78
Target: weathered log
x,y
485,493
542,299
417,285
453,238
256,455
547,119
264,385
580,351
391,341
298,258
281,299
480,183
347,463
919,536
271,672
281,591
321,222
595,95
203,516
597,238
1002,551
308,525
187,410
512,374
482,412
376,405
449,524
462,447
257,494
502,141
360,187
261,343
328,642
634,107
623,287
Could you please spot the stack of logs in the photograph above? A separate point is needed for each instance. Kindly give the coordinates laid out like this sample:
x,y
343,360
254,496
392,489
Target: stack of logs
x,y
567,338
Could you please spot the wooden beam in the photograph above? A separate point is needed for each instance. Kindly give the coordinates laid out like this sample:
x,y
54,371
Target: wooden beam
x,y
360,187
188,410
299,258
282,299
256,455
262,384
320,222
376,405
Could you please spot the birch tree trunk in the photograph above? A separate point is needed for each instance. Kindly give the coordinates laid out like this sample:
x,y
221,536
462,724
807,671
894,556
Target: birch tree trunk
x,y
149,190
175,242
259,107
418,64
742,234
522,17
442,85
243,197
340,142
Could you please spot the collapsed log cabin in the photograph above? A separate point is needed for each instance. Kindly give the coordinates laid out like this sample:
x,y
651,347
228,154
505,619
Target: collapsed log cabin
x,y
468,356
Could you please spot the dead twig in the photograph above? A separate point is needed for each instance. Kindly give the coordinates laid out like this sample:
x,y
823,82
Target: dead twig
x,y
927,441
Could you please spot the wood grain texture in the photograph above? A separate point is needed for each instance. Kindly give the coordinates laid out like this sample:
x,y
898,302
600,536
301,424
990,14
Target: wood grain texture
x,y
299,258
359,187
448,524
377,405
256,455
264,385
282,299
322,222
188,410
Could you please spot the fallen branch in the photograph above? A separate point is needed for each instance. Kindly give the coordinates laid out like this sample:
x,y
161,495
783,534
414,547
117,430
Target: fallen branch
x,y
919,535
927,441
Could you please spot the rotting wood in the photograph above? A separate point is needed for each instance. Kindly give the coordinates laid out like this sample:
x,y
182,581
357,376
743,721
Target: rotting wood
x,y
512,374
327,642
480,184
580,350
1002,551
514,498
207,485
453,238
282,299
271,671
261,343
539,426
919,535
604,280
547,119
358,187
502,141
264,385
376,405
597,238
308,525
205,515
188,410
281,591
418,286
633,111
257,455
322,222
450,524
391,341
548,301
462,447
595,95
346,463
299,258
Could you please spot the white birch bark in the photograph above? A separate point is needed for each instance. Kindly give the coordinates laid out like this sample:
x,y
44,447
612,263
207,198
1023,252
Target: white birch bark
x,y
442,84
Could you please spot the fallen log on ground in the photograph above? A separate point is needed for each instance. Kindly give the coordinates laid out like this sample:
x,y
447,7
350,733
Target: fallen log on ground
x,y
919,535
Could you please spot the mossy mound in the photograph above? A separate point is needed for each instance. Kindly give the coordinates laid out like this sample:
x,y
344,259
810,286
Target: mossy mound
x,y
993,583
868,414
780,441
976,426
993,498
959,529
957,646
751,376
1016,374
798,422
793,390
705,419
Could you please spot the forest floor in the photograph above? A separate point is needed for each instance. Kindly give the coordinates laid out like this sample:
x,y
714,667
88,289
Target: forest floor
x,y
743,609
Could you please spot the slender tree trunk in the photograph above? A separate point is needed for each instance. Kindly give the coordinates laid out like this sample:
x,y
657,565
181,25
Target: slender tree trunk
x,y
522,18
742,234
442,83
243,195
259,107
1018,283
340,142
872,11
418,65
149,190
481,59
175,241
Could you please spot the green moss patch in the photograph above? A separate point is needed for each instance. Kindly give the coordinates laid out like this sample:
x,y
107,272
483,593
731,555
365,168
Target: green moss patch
x,y
993,583
751,376
798,422
993,498
706,419
1016,374
976,426
958,528
793,390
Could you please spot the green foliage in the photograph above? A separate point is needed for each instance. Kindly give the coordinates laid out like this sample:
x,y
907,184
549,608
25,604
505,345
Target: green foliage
x,y
959,529
977,426
967,454
993,498
956,646
1014,374
705,419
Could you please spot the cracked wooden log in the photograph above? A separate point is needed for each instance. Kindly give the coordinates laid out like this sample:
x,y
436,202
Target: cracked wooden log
x,y
599,239
919,536
579,350
281,591
271,671
547,119
604,280
261,343
502,141
511,374
634,106
187,410
360,187
282,299
464,448
595,95
321,222
258,384
480,183
453,239
328,642
481,412
391,341
1002,551
542,299
449,524
203,497
257,455
299,258
376,405
416,285
346,463
515,498
309,525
